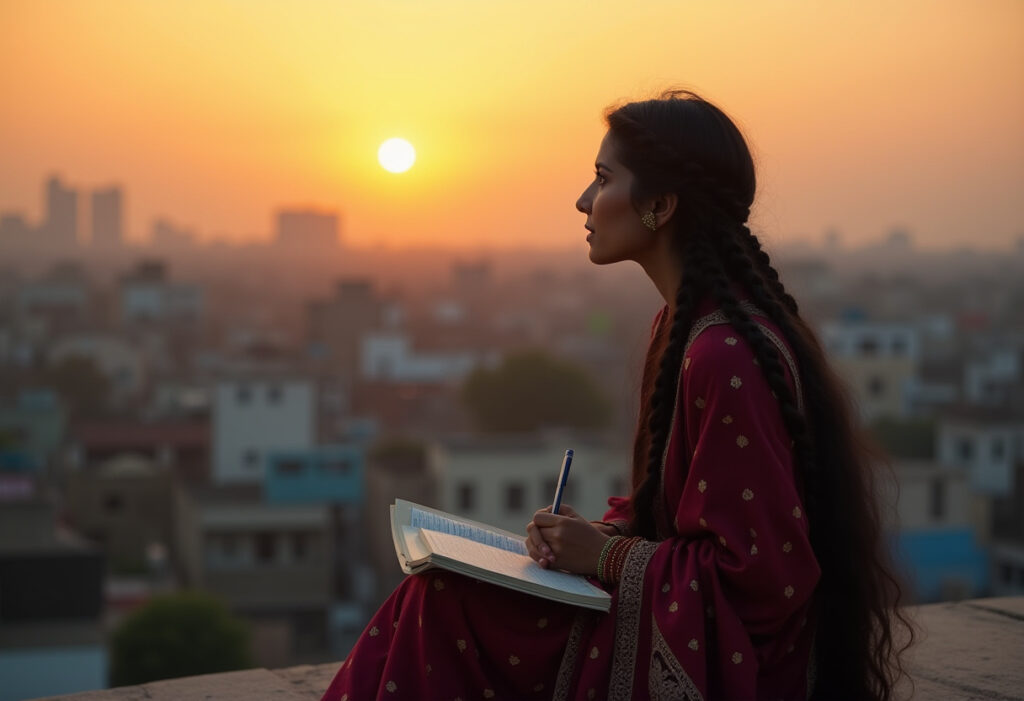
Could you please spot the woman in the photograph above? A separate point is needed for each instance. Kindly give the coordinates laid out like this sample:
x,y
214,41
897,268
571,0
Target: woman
x,y
748,560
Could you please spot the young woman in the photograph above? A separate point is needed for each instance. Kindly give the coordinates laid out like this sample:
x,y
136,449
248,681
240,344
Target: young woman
x,y
748,561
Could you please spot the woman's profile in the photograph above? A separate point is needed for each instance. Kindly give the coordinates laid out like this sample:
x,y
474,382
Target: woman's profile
x,y
748,560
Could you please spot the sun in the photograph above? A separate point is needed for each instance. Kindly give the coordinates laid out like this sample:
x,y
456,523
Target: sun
x,y
396,155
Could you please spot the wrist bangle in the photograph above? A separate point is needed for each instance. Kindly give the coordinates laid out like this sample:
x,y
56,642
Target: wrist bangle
x,y
602,560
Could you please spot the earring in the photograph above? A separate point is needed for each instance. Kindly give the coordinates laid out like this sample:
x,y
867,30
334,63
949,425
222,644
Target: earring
x,y
649,221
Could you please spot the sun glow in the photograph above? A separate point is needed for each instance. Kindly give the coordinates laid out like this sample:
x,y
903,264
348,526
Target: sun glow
x,y
396,155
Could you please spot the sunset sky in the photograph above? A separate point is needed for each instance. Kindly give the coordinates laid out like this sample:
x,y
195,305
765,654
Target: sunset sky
x,y
862,115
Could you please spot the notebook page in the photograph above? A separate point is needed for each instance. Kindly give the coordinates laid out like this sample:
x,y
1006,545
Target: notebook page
x,y
435,522
506,563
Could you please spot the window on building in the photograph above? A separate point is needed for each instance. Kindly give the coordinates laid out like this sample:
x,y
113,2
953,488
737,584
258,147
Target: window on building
x,y
551,484
465,496
515,498
251,459
965,449
1005,573
937,500
300,546
336,466
998,449
275,394
243,394
289,467
899,346
876,387
264,547
229,546
113,503
868,347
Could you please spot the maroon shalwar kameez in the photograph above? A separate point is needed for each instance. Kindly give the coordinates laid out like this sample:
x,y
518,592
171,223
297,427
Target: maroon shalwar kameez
x,y
720,607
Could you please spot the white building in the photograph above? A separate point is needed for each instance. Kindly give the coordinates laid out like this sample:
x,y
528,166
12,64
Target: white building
x,y
502,481
879,360
255,414
389,357
988,380
987,445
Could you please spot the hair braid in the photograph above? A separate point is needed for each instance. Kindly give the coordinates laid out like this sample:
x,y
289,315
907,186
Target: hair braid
x,y
663,397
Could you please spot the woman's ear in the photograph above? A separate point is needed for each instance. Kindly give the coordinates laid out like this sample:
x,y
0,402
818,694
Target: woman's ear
x,y
663,207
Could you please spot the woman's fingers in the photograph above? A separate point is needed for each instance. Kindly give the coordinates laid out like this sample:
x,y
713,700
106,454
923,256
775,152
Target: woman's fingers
x,y
537,547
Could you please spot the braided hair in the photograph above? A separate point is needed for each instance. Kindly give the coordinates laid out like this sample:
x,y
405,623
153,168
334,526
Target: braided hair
x,y
682,144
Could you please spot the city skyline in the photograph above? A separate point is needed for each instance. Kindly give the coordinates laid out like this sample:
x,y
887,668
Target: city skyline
x,y
862,117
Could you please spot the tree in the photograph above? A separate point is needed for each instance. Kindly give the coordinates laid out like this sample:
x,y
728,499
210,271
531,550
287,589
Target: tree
x,y
532,390
178,635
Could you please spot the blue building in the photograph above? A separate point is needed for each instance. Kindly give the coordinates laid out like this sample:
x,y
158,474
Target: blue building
x,y
332,474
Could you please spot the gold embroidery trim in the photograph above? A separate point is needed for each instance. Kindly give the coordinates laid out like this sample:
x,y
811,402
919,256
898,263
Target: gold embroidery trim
x,y
667,678
563,682
627,620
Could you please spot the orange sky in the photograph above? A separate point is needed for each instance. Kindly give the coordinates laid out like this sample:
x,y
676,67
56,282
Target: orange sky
x,y
862,115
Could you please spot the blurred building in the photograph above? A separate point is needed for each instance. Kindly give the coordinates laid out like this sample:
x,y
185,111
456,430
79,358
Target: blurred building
x,y
274,565
988,444
60,299
941,543
255,415
179,447
60,227
51,634
147,295
306,229
107,214
879,360
337,326
120,362
503,480
31,433
128,505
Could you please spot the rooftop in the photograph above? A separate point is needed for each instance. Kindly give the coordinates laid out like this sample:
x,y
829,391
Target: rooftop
x,y
968,650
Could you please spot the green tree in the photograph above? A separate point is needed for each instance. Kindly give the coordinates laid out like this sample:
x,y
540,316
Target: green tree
x,y
532,390
178,635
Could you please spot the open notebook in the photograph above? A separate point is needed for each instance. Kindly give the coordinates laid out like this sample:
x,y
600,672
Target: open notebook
x,y
426,538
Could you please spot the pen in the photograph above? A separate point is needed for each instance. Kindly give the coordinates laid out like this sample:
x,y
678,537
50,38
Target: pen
x,y
563,477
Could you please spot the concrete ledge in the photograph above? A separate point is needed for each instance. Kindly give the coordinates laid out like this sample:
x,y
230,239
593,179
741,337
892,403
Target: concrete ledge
x,y
968,650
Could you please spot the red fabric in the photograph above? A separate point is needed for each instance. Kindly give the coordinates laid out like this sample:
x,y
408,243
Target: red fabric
x,y
719,609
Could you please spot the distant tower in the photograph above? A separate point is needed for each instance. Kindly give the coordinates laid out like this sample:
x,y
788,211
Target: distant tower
x,y
61,225
307,229
107,217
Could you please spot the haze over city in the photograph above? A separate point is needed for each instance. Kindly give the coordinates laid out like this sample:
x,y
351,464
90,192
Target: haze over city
x,y
863,116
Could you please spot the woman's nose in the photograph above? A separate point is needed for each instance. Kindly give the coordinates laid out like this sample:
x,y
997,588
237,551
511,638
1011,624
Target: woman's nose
x,y
583,203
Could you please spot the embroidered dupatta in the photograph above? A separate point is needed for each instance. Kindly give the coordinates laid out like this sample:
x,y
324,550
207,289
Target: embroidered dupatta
x,y
720,608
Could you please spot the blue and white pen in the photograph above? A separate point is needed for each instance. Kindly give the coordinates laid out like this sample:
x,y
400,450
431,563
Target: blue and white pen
x,y
563,477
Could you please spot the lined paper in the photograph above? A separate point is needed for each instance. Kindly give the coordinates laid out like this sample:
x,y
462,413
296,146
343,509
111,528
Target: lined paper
x,y
507,563
435,522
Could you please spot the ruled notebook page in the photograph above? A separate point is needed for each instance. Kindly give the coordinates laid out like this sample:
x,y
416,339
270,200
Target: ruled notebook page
x,y
435,522
505,562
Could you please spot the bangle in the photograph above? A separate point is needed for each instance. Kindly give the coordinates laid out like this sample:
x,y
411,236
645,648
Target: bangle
x,y
602,559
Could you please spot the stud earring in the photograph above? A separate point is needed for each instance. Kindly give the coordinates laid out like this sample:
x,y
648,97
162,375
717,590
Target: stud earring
x,y
649,221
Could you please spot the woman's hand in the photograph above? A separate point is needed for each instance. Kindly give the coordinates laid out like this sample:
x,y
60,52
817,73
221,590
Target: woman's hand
x,y
564,541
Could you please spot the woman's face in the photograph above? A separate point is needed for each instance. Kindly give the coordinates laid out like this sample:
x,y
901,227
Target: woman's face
x,y
616,232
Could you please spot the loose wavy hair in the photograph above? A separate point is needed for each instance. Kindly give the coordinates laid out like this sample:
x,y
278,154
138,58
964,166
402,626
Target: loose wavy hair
x,y
680,143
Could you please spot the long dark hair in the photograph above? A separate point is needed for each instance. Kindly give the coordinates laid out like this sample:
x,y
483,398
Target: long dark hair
x,y
683,144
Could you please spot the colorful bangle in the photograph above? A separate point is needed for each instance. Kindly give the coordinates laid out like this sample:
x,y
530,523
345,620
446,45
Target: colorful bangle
x,y
602,559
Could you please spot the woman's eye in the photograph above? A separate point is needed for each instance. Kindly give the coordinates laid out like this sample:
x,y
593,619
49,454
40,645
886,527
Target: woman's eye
x,y
600,178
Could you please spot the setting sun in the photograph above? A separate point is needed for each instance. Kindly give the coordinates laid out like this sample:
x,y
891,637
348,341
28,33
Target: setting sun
x,y
396,155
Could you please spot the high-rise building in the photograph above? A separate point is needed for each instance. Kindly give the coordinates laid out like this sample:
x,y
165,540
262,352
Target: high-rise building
x,y
307,228
61,225
107,217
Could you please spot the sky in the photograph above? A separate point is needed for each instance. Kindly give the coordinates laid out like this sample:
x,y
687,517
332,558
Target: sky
x,y
863,116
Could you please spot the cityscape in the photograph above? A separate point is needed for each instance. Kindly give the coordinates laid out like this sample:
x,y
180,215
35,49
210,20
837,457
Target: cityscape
x,y
236,418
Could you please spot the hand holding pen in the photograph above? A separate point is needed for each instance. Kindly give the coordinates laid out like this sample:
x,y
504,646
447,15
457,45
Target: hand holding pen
x,y
560,538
